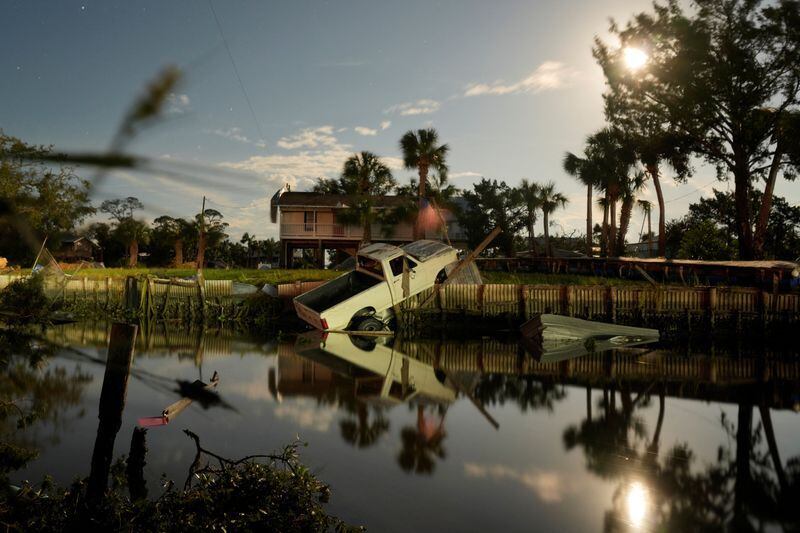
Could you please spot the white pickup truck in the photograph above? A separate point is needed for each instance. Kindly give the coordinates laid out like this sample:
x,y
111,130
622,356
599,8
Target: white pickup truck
x,y
384,276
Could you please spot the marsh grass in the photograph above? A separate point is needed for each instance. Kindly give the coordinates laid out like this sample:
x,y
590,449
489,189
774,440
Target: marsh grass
x,y
243,275
278,275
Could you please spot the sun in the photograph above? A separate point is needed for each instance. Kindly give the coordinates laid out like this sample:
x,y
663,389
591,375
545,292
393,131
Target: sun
x,y
635,58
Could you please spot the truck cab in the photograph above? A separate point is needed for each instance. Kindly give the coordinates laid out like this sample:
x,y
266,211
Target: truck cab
x,y
384,276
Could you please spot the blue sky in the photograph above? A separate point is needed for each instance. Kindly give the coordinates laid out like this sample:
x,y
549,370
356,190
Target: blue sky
x,y
510,85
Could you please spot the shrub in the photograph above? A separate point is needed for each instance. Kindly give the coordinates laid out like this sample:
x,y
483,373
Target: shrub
x,y
24,300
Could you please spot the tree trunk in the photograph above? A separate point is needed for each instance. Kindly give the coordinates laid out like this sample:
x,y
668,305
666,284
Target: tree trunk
x,y
604,231
653,447
547,249
367,236
650,236
532,234
133,253
769,432
741,193
624,222
662,224
766,204
613,227
589,404
589,221
419,231
178,247
744,444
201,250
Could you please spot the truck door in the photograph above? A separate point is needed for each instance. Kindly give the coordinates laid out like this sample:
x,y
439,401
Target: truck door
x,y
405,278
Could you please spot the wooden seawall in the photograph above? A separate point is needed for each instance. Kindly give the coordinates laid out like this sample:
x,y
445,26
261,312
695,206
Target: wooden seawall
x,y
606,303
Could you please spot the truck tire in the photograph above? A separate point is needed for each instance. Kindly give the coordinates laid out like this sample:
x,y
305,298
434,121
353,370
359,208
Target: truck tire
x,y
369,323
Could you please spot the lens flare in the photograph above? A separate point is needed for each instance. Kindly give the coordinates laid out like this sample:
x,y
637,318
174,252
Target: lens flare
x,y
635,58
637,504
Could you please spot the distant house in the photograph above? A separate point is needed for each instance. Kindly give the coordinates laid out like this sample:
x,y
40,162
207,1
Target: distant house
x,y
76,248
308,221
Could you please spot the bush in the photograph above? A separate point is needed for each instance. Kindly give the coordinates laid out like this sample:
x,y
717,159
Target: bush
x,y
24,300
706,241
279,494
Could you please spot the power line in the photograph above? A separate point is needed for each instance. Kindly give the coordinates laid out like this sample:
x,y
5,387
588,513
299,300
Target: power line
x,y
236,71
692,192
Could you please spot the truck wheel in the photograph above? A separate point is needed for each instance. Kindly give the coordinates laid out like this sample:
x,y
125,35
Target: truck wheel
x,y
441,276
369,323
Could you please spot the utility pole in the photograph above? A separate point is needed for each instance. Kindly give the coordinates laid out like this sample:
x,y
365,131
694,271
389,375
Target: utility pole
x,y
201,240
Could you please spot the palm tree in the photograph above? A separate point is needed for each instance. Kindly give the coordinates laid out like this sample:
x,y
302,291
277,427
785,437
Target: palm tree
x,y
421,447
422,151
528,193
364,176
549,201
359,431
131,233
210,230
581,169
178,231
647,208
603,203
629,189
613,157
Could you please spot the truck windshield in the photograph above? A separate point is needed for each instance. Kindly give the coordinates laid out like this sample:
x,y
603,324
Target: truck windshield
x,y
373,265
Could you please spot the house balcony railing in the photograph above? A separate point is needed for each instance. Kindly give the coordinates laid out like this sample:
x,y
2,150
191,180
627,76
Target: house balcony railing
x,y
401,232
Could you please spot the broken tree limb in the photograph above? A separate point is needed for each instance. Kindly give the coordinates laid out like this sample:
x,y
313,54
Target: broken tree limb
x,y
466,261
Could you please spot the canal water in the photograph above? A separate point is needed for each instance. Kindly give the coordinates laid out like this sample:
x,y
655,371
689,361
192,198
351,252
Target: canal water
x,y
427,435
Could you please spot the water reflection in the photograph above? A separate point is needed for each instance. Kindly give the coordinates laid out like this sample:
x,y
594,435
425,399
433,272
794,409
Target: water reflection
x,y
606,432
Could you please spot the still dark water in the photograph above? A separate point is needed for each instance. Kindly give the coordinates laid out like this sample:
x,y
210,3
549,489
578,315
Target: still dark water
x,y
458,436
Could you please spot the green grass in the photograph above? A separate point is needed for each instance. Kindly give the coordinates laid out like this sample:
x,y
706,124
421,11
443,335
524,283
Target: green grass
x,y
243,275
275,276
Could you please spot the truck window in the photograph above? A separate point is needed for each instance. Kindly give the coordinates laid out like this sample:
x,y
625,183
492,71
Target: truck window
x,y
396,265
372,265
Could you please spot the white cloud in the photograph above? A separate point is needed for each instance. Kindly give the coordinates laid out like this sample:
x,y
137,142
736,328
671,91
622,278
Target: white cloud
x,y
385,124
424,106
307,414
236,134
178,104
550,487
321,136
465,174
299,170
548,76
363,130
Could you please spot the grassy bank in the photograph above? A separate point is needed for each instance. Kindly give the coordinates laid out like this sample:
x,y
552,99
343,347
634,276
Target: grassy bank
x,y
275,276
243,275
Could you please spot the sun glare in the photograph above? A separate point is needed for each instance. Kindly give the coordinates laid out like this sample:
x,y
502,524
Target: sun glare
x,y
637,503
635,58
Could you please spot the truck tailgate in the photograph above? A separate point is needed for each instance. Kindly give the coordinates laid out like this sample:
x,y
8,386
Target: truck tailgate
x,y
310,316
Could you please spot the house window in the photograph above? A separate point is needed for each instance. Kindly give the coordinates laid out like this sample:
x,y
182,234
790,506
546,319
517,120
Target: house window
x,y
309,218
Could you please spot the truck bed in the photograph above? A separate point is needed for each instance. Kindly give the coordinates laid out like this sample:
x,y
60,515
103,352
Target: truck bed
x,y
336,291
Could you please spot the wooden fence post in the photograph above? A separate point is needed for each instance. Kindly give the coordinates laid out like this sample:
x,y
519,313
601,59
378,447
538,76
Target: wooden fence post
x,y
112,403
612,304
522,291
712,304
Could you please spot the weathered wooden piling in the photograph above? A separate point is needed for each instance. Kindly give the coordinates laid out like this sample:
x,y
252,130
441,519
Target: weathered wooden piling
x,y
112,403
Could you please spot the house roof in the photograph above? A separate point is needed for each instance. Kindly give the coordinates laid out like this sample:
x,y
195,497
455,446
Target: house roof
x,y
314,199
76,238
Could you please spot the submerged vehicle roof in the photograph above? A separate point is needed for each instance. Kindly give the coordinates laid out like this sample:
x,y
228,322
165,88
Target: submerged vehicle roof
x,y
425,249
422,249
380,250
